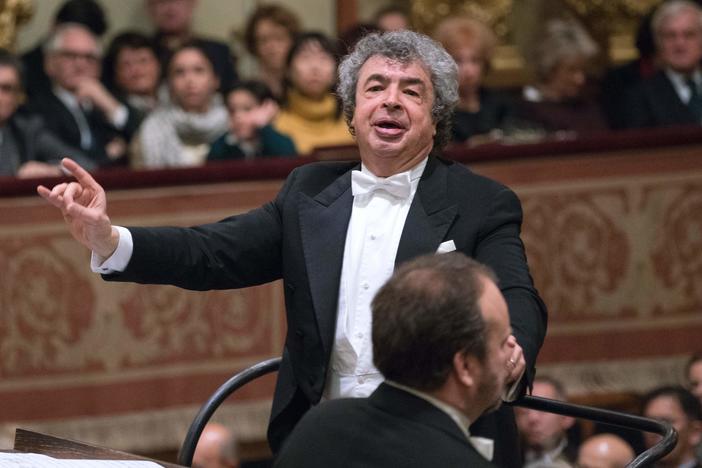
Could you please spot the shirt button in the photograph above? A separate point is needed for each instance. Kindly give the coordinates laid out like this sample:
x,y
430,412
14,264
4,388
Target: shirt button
x,y
359,335
372,236
366,286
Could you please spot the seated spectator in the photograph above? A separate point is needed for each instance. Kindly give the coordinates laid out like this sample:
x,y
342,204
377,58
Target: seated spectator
x,y
693,375
544,436
392,18
672,96
440,335
682,410
268,36
479,111
78,108
558,100
132,72
179,133
89,13
172,20
618,81
604,451
251,108
216,448
27,148
311,115
355,33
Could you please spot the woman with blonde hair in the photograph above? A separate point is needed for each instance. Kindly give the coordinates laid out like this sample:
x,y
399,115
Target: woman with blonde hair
x,y
472,44
558,100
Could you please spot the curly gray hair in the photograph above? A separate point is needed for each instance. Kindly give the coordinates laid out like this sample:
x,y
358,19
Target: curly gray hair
x,y
405,47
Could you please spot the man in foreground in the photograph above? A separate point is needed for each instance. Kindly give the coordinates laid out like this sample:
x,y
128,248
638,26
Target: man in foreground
x,y
441,339
336,231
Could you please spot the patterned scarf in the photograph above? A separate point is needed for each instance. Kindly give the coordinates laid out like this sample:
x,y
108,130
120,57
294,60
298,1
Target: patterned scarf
x,y
168,131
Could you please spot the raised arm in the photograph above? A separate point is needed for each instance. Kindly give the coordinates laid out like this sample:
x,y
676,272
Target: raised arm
x,y
84,208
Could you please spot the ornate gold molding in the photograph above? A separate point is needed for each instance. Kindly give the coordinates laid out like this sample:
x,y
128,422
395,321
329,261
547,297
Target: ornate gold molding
x,y
612,23
13,13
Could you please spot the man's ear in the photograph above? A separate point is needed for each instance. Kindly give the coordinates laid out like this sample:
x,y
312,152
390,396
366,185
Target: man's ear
x,y
465,367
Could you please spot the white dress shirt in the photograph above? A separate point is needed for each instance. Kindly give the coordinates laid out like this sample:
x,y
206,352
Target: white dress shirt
x,y
679,82
372,239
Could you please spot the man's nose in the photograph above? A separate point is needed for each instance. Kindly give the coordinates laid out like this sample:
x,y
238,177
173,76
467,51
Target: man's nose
x,y
391,99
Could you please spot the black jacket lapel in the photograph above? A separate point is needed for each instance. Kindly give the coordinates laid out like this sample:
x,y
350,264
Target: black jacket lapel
x,y
324,221
430,216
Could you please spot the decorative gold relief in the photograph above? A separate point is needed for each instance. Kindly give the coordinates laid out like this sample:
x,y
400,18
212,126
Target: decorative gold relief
x,y
518,23
13,13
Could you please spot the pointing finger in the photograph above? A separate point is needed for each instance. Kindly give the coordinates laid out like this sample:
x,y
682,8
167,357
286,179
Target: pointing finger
x,y
82,176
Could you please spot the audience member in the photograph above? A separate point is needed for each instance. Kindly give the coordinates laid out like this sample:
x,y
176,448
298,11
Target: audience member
x,y
558,100
131,70
392,18
673,95
311,115
268,36
682,410
172,20
352,35
27,148
89,13
544,434
604,451
620,80
216,448
479,111
78,108
251,109
693,375
440,333
180,132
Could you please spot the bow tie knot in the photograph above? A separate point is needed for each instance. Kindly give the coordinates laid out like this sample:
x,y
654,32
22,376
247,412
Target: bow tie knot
x,y
398,185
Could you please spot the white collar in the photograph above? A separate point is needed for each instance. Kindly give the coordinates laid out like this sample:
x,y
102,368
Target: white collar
x,y
70,100
414,173
482,445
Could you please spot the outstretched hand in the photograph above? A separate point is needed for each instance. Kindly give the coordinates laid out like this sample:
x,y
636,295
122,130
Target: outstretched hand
x,y
84,208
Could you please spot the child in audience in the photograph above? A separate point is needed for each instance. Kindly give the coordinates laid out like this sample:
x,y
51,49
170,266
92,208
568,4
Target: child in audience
x,y
251,108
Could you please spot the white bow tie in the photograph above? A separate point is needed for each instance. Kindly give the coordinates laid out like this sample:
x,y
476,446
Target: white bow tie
x,y
399,185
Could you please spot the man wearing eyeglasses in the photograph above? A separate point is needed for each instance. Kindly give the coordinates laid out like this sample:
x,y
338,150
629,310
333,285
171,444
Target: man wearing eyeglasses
x,y
78,108
27,148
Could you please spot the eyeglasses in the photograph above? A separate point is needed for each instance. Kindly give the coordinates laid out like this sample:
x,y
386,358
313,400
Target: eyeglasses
x,y
9,88
71,55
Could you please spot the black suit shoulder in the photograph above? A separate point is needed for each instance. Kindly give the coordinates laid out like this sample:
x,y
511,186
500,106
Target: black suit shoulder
x,y
391,428
655,103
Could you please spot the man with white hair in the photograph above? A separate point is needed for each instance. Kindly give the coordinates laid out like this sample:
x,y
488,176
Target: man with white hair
x,y
78,108
337,231
673,96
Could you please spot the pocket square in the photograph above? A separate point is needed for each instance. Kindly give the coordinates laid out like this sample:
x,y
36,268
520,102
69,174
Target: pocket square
x,y
446,247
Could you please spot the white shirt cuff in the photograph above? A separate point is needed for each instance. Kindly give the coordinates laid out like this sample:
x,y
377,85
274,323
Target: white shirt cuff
x,y
119,260
119,117
511,393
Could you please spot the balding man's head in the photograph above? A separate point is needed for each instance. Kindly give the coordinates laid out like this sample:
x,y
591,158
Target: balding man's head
x,y
604,451
217,448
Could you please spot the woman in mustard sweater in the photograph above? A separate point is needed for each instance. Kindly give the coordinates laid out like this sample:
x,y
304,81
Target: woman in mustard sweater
x,y
311,115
